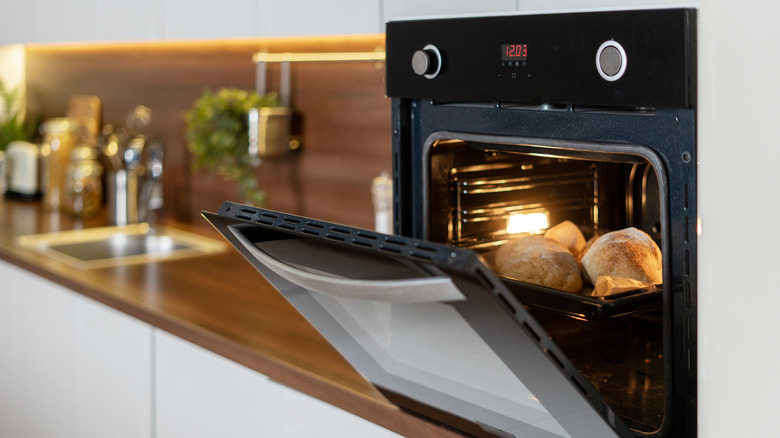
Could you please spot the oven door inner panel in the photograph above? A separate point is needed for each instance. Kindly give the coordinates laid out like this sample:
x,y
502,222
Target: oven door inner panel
x,y
431,351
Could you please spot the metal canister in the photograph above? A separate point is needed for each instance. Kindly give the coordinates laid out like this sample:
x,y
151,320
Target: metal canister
x,y
59,137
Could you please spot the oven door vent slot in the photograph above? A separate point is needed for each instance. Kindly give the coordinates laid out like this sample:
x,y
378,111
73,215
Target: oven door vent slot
x,y
502,299
532,332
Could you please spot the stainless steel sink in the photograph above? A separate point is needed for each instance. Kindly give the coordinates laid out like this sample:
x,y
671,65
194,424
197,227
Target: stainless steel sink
x,y
120,245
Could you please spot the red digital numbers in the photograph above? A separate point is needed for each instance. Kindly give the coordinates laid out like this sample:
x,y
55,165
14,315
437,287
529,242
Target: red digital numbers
x,y
514,52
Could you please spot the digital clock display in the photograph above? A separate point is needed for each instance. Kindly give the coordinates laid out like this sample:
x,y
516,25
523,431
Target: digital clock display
x,y
514,52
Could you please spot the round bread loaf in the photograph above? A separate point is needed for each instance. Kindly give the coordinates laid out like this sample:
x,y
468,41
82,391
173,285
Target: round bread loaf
x,y
568,235
539,260
628,253
582,253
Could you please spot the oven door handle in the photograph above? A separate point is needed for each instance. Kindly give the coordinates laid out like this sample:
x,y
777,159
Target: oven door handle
x,y
413,290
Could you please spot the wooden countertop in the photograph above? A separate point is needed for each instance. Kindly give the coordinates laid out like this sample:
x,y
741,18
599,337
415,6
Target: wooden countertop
x,y
220,303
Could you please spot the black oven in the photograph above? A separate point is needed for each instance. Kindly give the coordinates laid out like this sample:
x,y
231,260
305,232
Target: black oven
x,y
580,117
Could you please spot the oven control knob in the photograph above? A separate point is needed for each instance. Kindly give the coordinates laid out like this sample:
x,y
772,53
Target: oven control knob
x,y
611,60
427,62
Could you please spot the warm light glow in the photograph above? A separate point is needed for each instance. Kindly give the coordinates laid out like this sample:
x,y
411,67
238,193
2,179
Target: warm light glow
x,y
531,223
377,55
314,43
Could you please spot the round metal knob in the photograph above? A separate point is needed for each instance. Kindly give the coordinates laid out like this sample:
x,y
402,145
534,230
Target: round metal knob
x,y
427,62
611,61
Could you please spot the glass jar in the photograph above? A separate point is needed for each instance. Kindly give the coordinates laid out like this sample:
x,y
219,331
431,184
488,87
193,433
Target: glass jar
x,y
59,136
83,190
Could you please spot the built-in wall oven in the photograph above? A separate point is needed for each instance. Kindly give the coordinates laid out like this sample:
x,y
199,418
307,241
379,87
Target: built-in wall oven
x,y
585,118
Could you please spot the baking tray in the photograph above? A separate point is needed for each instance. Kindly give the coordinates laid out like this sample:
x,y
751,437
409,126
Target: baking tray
x,y
584,306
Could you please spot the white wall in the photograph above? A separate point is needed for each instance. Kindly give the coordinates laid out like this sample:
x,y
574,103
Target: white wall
x,y
739,151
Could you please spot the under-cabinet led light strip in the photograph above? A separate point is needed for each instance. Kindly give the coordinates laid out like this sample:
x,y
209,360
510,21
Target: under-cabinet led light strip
x,y
377,55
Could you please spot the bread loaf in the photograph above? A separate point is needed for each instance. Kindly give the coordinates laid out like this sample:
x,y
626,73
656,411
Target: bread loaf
x,y
582,253
628,253
568,235
539,260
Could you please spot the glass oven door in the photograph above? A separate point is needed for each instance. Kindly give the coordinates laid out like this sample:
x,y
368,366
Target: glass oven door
x,y
430,325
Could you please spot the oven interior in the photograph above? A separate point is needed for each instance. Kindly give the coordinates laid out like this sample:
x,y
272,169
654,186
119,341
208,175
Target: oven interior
x,y
482,194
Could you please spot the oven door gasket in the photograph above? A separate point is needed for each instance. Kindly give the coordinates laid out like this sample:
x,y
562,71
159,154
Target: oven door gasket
x,y
568,406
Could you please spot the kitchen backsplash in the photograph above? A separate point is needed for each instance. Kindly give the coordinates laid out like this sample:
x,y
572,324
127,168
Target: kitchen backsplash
x,y
343,112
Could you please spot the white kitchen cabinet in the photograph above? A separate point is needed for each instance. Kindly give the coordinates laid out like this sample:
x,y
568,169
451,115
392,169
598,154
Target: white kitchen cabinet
x,y
8,326
40,358
71,367
17,21
74,368
67,20
307,417
137,20
115,372
55,21
314,17
199,19
579,5
201,394
414,8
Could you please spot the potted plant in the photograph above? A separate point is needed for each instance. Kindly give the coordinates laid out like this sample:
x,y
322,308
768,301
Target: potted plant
x,y
12,125
217,132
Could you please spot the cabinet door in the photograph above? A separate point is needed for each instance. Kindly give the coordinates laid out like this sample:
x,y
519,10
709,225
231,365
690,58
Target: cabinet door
x,y
114,372
137,20
66,20
314,17
413,8
43,364
17,22
307,417
8,326
202,394
70,367
209,19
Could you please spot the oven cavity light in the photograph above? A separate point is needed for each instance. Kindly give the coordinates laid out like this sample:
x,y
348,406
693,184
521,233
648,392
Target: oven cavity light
x,y
530,223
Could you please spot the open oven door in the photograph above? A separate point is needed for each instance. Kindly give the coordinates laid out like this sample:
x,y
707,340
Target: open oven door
x,y
429,325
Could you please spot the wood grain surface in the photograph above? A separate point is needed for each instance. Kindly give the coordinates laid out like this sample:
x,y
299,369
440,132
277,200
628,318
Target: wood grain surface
x,y
220,303
344,115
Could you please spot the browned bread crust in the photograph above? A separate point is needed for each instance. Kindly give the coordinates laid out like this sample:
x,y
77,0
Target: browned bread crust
x,y
628,253
539,260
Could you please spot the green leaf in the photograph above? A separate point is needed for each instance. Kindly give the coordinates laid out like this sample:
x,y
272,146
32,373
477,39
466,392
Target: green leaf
x,y
217,136
11,127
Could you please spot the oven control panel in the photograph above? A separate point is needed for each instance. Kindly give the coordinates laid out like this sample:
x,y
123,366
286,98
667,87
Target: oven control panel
x,y
618,58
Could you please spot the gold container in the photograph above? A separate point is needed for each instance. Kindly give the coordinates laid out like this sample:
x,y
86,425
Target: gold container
x,y
269,131
83,193
59,137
